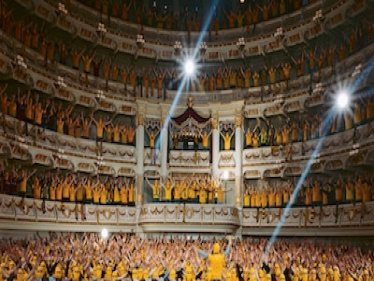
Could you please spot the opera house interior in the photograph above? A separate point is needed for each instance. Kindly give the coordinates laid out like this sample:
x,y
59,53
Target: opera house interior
x,y
187,140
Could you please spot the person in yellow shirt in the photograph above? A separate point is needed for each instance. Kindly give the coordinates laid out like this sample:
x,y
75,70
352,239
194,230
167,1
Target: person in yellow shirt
x,y
248,138
36,188
80,191
116,134
216,260
100,124
177,191
271,197
204,135
246,199
131,193
152,135
316,194
116,194
103,195
155,186
86,124
23,179
227,139
59,189
124,194
339,191
131,135
96,193
349,191
168,187
4,99
124,136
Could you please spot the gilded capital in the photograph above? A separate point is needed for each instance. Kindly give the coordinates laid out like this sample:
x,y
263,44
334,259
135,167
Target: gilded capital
x,y
214,123
140,119
238,121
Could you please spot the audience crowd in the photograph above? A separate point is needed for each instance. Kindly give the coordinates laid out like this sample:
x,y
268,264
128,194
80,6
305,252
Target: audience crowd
x,y
64,118
313,192
200,190
67,187
73,256
190,17
152,81
275,131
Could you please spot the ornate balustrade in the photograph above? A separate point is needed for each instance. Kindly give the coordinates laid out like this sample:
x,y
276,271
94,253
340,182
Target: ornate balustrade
x,y
37,77
296,34
172,35
295,98
63,151
180,158
342,218
32,214
188,217
338,151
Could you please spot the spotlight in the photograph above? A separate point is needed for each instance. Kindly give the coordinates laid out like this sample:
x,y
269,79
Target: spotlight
x,y
104,233
342,100
189,67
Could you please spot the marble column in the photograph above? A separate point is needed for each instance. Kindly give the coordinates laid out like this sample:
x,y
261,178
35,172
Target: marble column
x,y
215,147
238,161
164,150
139,160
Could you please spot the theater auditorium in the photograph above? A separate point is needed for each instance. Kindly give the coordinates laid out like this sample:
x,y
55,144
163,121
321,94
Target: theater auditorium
x,y
187,140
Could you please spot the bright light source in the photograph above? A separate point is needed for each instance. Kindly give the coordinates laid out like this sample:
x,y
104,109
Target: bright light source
x,y
225,175
189,67
104,233
342,100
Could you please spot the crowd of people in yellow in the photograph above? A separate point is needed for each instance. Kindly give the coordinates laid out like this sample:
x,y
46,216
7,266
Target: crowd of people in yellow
x,y
57,186
57,115
122,257
193,190
159,15
70,187
312,192
152,81
308,126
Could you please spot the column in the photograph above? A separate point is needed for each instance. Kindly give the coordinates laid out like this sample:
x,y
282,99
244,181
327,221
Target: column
x,y
215,147
238,160
139,159
164,149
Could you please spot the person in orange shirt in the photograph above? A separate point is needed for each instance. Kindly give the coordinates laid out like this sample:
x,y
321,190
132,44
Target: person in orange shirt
x,y
4,99
131,193
116,133
316,194
76,58
23,179
100,125
131,134
86,124
87,62
124,192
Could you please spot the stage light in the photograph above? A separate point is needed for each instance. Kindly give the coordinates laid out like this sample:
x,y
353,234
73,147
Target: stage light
x,y
104,233
342,100
189,67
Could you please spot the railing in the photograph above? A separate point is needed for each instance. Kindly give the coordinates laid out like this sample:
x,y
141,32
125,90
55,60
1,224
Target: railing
x,y
258,104
113,39
338,151
39,215
328,216
63,151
